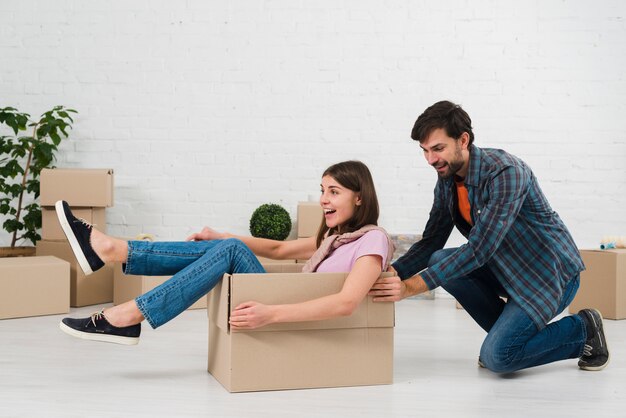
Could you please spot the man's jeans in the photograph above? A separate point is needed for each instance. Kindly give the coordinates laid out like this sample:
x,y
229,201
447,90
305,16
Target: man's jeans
x,y
513,340
196,266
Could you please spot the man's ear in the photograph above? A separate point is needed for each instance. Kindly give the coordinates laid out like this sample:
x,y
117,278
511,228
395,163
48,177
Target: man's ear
x,y
464,140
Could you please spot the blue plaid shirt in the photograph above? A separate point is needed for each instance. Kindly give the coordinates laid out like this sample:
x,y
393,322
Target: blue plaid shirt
x,y
515,233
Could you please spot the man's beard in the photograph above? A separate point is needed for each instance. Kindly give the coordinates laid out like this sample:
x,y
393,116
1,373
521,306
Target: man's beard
x,y
453,166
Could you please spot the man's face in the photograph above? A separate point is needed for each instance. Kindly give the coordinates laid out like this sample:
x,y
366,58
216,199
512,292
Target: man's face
x,y
447,155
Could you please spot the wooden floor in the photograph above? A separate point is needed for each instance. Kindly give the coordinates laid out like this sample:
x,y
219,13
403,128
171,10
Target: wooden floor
x,y
45,373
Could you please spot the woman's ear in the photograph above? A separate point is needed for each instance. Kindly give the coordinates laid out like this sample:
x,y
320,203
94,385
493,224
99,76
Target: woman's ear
x,y
358,200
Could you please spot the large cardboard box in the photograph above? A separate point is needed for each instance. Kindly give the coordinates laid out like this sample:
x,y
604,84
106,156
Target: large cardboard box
x,y
84,290
32,286
603,283
79,187
128,286
346,351
310,215
51,228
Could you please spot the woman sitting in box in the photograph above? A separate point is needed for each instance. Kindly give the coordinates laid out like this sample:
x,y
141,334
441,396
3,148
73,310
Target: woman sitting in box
x,y
347,241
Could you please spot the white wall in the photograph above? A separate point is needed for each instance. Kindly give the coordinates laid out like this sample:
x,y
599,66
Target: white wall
x,y
206,109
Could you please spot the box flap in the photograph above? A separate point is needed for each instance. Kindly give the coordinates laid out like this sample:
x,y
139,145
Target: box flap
x,y
609,251
292,267
218,307
284,288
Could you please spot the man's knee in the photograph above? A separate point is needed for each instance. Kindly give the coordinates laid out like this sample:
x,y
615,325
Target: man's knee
x,y
497,357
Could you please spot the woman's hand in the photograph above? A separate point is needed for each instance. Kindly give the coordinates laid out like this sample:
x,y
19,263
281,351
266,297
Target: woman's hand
x,y
250,315
207,234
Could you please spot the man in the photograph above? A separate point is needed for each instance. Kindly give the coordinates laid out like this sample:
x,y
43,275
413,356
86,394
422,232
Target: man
x,y
518,249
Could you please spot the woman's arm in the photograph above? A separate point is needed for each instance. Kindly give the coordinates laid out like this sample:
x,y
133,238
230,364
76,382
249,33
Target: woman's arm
x,y
301,248
366,269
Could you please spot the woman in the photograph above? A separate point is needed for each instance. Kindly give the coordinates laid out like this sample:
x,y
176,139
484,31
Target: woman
x,y
348,241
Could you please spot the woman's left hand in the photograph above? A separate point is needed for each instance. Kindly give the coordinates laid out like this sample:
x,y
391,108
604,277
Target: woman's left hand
x,y
250,315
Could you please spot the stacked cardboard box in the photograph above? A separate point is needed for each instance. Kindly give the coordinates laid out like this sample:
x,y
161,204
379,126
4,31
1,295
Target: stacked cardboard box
x,y
32,286
345,351
603,283
310,216
88,192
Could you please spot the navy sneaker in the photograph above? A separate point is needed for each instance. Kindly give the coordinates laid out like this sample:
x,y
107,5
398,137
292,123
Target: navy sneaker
x,y
596,352
97,328
78,233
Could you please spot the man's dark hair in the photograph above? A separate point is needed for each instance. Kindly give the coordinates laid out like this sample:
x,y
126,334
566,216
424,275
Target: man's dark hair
x,y
446,115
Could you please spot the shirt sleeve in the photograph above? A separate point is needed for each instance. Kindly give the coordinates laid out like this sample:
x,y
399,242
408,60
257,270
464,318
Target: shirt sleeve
x,y
507,190
373,243
434,237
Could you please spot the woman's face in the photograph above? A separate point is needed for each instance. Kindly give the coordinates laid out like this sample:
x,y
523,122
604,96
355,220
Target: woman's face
x,y
338,202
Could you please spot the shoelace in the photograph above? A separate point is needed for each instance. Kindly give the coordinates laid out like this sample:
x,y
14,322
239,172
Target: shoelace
x,y
84,222
587,350
96,316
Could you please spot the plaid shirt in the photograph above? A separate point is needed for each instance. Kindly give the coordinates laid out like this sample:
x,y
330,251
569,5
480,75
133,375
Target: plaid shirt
x,y
515,233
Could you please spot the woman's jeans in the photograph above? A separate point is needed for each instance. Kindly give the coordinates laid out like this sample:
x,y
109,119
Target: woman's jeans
x,y
196,266
513,340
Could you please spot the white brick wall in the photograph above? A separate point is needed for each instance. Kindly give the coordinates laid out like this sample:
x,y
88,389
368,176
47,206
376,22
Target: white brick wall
x,y
206,109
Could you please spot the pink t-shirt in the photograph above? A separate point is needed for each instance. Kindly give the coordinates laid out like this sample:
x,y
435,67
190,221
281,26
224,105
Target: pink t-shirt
x,y
343,258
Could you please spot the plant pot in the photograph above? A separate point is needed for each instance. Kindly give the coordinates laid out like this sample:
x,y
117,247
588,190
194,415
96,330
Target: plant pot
x,y
17,252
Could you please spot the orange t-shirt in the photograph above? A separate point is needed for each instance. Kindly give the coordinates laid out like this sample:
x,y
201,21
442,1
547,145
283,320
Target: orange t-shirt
x,y
464,204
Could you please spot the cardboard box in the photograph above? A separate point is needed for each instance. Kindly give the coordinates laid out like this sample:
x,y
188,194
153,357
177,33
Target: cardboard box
x,y
84,290
51,228
264,261
286,267
603,283
32,286
128,286
345,351
79,187
310,216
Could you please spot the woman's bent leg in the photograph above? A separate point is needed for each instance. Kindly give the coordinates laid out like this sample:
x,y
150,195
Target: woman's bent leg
x,y
168,300
164,258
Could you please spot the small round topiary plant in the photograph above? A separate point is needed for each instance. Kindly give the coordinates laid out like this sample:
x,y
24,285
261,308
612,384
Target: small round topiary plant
x,y
270,221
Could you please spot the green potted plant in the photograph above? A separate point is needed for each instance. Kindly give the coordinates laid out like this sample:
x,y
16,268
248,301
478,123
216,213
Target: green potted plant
x,y
270,221
22,157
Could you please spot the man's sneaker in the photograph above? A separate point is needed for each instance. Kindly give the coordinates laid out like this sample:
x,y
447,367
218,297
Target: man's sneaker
x,y
78,233
596,352
97,328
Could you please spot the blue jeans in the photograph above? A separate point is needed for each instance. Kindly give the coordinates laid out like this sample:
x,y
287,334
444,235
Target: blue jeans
x,y
514,341
196,266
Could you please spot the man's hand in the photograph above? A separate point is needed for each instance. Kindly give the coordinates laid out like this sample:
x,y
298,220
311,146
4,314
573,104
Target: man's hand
x,y
388,289
394,289
207,234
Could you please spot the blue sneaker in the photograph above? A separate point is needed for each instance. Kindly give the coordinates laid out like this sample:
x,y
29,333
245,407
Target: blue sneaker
x,y
78,233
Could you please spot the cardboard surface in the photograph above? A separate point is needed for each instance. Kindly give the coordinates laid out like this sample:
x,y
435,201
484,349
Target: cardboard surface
x,y
51,228
603,283
32,286
345,351
84,290
310,215
127,286
79,187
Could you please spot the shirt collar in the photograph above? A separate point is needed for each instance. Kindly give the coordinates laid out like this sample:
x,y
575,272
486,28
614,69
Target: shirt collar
x,y
473,171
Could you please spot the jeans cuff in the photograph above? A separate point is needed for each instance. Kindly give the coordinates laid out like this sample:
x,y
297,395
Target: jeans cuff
x,y
145,313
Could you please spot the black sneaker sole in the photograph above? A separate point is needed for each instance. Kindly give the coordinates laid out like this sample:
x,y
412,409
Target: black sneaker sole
x,y
608,358
71,238
107,338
